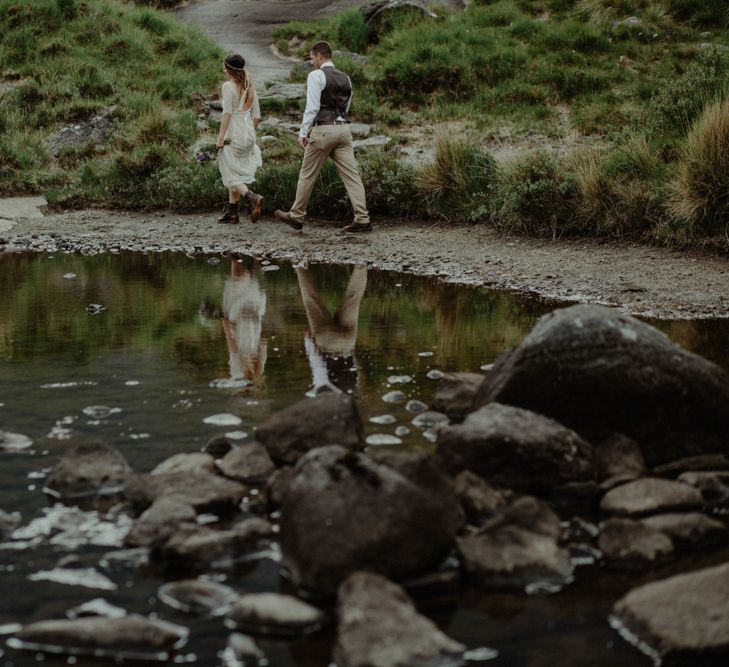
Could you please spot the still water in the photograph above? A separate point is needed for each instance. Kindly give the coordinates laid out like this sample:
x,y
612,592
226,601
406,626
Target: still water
x,y
140,351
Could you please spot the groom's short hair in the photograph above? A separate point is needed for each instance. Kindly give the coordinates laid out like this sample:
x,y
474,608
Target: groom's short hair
x,y
322,49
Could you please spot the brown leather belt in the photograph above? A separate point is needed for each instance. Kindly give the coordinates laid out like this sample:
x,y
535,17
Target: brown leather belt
x,y
332,122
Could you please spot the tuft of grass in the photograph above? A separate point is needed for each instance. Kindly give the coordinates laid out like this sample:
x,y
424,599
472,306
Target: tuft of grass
x,y
701,187
460,181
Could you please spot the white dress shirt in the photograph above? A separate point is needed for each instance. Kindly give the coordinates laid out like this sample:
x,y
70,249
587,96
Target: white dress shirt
x,y
315,84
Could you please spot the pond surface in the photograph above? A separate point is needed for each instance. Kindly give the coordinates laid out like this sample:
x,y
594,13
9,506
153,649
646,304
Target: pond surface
x,y
142,350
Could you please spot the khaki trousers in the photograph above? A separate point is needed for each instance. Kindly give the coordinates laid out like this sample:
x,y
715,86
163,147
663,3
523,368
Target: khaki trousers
x,y
334,141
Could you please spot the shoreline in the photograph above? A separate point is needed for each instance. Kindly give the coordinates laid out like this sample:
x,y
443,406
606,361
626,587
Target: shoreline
x,y
647,281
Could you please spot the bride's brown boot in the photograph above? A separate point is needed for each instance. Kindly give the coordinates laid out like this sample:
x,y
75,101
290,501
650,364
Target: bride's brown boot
x,y
255,204
230,214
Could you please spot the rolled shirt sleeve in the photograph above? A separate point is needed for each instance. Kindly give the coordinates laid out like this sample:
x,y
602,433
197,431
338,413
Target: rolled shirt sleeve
x,y
315,84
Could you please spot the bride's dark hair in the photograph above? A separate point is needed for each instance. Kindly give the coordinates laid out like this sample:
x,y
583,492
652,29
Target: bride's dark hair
x,y
236,65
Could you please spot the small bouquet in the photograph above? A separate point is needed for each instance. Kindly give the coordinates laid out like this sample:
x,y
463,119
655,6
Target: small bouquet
x,y
206,151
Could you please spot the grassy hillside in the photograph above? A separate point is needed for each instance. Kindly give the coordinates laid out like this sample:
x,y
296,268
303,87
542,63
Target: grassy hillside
x,y
62,61
614,112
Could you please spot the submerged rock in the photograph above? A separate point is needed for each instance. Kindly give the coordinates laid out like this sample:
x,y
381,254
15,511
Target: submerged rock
x,y
88,469
113,637
380,627
516,449
13,442
599,372
683,620
342,512
194,596
650,496
274,614
689,530
328,419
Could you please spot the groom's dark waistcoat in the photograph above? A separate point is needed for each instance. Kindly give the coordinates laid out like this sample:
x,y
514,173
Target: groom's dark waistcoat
x,y
334,97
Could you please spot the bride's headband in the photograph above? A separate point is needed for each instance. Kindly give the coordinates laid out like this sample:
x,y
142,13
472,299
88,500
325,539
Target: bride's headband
x,y
229,66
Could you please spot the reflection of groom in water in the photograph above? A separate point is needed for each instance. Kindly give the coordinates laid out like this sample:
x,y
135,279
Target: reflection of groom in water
x,y
330,339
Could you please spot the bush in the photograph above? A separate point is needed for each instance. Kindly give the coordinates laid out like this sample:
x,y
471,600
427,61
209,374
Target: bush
x,y
680,102
353,33
535,196
701,197
460,182
706,13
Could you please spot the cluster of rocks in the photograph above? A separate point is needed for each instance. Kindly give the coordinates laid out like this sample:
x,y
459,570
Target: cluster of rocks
x,y
595,414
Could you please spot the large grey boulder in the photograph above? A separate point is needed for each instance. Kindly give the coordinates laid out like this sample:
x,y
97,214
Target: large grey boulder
x,y
380,627
683,620
328,419
93,131
112,637
88,469
517,449
601,372
205,492
342,512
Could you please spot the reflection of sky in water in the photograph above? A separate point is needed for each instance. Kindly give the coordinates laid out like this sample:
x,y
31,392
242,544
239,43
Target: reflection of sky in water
x,y
187,349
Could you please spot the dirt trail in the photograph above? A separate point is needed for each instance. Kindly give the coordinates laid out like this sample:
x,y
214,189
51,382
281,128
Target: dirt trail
x,y
641,280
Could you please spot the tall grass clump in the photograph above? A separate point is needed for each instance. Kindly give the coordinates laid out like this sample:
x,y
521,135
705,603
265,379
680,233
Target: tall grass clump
x,y
705,13
701,187
461,181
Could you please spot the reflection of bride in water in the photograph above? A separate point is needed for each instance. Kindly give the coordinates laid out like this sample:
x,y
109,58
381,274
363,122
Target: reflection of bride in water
x,y
330,339
244,304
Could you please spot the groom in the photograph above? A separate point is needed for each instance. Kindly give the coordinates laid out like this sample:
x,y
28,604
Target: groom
x,y
325,133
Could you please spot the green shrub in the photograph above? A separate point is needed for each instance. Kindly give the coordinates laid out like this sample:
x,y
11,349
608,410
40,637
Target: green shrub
x,y
460,181
353,33
535,196
679,102
701,197
67,8
706,13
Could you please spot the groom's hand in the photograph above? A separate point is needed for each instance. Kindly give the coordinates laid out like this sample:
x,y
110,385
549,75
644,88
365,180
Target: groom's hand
x,y
303,141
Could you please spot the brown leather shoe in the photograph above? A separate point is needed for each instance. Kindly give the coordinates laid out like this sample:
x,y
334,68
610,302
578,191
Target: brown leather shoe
x,y
255,204
285,216
358,227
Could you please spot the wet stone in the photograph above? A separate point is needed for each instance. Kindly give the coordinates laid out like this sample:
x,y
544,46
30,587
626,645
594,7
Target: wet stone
x,y
113,637
87,577
205,492
429,419
415,406
162,520
619,456
383,420
223,419
8,523
242,651
330,418
650,496
218,446
478,498
274,614
383,439
714,486
195,596
401,431
249,463
633,545
197,549
434,374
689,530
96,607
455,393
717,462
14,442
394,397
88,469
379,625
682,620
196,462
399,379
